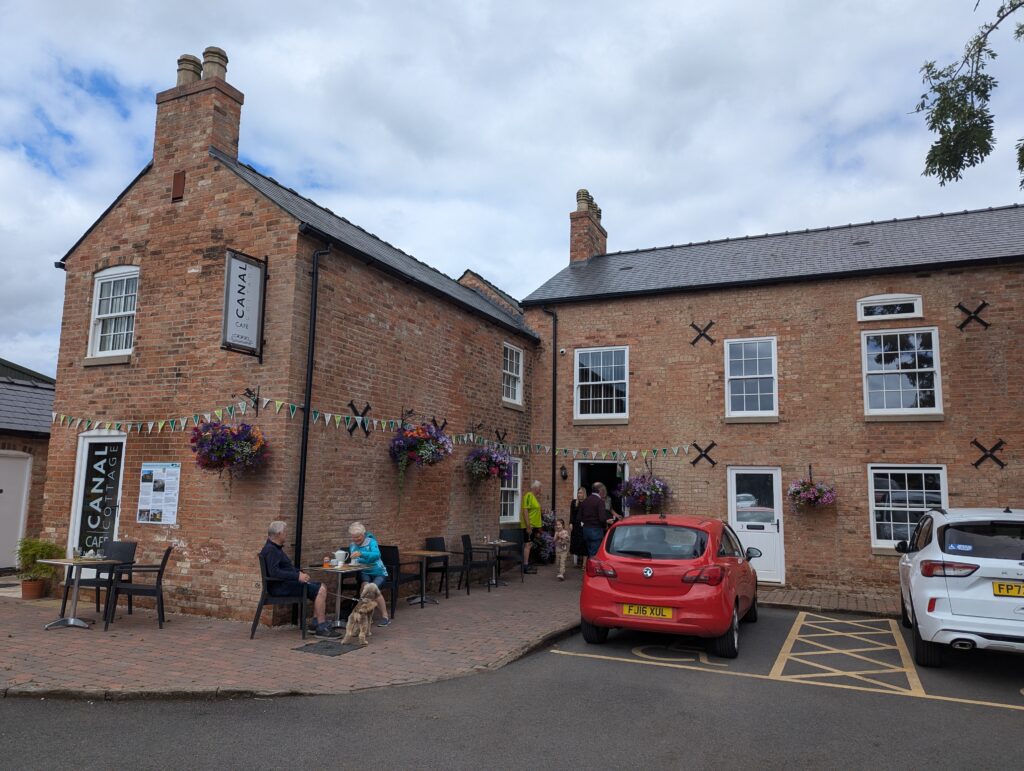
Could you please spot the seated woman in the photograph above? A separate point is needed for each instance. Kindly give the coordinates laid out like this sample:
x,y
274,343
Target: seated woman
x,y
364,551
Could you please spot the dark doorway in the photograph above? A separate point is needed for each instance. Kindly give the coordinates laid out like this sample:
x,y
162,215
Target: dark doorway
x,y
611,474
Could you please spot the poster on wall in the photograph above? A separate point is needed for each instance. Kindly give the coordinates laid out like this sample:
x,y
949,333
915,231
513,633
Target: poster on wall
x,y
244,278
158,493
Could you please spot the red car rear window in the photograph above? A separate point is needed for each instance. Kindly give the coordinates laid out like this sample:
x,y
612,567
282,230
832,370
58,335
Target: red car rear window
x,y
994,540
657,542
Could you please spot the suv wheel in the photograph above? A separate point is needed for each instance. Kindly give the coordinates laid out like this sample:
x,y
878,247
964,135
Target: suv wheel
x,y
904,616
728,645
926,654
595,635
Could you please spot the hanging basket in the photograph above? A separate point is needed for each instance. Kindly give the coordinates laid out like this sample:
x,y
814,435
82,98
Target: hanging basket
x,y
808,494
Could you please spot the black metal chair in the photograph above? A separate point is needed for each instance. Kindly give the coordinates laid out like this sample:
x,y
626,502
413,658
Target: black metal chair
x,y
123,552
130,588
512,554
266,598
438,565
469,562
396,577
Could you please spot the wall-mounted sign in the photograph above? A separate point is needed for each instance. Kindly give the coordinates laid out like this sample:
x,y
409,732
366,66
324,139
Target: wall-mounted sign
x,y
158,493
244,283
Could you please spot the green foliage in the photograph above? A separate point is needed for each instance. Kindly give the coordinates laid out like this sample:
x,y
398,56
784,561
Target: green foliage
x,y
32,549
956,105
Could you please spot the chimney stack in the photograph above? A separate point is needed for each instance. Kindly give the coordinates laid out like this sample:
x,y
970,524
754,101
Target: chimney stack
x,y
201,111
586,235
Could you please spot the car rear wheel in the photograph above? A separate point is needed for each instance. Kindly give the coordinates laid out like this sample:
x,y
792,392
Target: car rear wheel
x,y
926,654
751,615
904,616
728,645
595,635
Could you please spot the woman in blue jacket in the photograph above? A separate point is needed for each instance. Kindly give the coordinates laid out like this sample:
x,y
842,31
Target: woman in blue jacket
x,y
364,551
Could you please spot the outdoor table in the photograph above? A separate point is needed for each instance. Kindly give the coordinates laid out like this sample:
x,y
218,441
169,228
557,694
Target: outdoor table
x,y
424,555
496,546
76,566
341,571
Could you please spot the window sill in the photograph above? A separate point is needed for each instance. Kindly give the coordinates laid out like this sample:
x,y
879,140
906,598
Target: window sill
x,y
102,361
513,405
884,551
752,419
930,417
600,421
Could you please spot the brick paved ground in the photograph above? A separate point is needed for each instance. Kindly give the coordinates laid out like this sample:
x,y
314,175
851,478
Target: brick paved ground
x,y
194,656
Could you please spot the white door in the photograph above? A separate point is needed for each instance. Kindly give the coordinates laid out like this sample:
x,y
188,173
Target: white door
x,y
755,513
15,472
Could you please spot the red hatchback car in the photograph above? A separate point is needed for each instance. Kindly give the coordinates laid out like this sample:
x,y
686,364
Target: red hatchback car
x,y
680,575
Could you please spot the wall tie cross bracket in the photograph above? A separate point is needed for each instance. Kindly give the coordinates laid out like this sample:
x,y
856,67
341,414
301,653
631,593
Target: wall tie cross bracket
x,y
989,454
972,316
702,454
703,333
360,423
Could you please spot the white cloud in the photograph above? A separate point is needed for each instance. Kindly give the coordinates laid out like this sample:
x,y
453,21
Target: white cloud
x,y
460,132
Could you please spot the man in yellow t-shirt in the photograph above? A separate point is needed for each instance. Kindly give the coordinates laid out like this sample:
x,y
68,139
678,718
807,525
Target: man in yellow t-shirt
x,y
530,521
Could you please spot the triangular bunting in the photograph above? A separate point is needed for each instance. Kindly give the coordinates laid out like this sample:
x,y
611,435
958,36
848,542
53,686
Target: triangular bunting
x,y
265,403
675,450
160,425
231,410
633,453
206,417
184,423
316,414
241,407
292,408
195,420
150,425
278,404
337,420
53,417
218,414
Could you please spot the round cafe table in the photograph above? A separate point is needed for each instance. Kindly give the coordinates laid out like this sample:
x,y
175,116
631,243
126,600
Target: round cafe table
x,y
76,565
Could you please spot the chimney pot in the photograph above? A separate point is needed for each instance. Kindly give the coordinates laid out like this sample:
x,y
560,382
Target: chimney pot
x,y
190,69
584,200
587,237
215,63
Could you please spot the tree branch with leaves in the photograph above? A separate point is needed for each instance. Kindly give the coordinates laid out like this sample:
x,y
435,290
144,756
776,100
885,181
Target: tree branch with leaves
x,y
956,104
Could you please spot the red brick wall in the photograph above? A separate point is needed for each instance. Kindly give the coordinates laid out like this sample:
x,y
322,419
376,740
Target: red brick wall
x,y
677,396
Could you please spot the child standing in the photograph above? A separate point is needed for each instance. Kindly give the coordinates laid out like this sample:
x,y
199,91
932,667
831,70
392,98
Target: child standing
x,y
561,547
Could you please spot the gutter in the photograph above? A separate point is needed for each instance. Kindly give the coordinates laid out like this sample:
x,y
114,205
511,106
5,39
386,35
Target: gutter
x,y
554,398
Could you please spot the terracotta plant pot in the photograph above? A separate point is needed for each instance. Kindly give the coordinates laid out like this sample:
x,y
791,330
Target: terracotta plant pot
x,y
33,588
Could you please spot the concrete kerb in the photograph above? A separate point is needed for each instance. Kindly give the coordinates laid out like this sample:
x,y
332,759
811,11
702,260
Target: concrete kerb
x,y
825,609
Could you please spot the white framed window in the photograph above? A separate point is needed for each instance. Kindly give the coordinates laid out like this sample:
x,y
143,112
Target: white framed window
x,y
898,495
751,385
602,383
889,306
512,374
901,372
511,490
114,294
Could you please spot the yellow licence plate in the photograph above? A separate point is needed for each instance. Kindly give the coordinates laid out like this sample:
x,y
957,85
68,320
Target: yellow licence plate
x,y
1006,589
646,611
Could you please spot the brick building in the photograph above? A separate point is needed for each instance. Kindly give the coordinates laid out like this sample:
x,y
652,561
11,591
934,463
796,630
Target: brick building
x,y
142,358
850,353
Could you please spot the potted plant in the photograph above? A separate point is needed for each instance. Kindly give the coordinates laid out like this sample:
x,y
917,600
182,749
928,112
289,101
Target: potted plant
x,y
33,575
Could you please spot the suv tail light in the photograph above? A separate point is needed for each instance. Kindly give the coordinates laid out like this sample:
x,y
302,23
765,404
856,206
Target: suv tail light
x,y
712,575
931,568
598,568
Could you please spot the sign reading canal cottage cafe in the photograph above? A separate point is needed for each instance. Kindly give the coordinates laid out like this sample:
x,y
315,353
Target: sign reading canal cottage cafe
x,y
243,303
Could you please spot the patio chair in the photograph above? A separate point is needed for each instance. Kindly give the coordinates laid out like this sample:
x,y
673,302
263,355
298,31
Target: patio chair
x,y
123,585
266,598
124,552
438,564
396,577
469,562
512,554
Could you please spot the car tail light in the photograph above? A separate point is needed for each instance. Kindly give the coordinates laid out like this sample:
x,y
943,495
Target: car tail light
x,y
711,575
931,568
598,568
931,604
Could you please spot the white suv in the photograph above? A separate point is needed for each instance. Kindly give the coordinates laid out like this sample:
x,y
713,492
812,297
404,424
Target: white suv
x,y
962,582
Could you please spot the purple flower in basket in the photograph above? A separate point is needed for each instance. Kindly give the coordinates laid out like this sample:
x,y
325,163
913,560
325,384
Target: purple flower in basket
x,y
489,463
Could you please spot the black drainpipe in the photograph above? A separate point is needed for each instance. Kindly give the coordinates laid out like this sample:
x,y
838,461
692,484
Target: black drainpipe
x,y
307,400
554,400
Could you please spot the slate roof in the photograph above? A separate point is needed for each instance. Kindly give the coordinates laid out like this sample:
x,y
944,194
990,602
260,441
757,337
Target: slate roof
x,y
941,240
25,406
18,372
376,251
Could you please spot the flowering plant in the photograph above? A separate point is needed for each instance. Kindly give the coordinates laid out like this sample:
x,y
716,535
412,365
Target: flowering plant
x,y
806,492
489,463
644,490
424,445
237,450
544,543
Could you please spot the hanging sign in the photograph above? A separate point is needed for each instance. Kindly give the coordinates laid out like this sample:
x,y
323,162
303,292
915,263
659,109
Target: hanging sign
x,y
158,493
244,295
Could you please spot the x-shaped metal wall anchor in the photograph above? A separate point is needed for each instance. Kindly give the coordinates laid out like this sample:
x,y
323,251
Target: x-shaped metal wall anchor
x,y
972,316
362,423
501,435
703,454
989,454
702,333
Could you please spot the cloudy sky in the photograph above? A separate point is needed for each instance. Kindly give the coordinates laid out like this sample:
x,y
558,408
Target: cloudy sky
x,y
460,131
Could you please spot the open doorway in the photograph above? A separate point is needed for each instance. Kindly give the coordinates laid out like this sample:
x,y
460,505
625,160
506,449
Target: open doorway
x,y
609,472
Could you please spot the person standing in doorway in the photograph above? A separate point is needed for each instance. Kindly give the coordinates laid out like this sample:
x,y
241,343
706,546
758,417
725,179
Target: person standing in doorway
x,y
577,548
531,522
593,517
